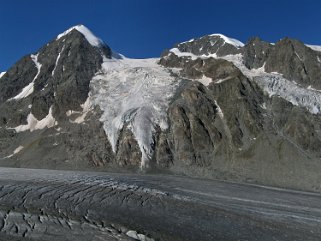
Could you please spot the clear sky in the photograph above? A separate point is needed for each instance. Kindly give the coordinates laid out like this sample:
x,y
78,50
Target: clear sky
x,y
144,28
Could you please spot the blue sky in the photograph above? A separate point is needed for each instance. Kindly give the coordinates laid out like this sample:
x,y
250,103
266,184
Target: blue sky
x,y
144,28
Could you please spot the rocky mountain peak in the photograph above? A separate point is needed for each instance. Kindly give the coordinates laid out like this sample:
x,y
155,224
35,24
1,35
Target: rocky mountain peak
x,y
210,45
55,78
295,61
255,52
81,33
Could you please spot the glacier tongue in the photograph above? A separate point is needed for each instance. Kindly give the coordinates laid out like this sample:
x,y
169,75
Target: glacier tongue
x,y
135,93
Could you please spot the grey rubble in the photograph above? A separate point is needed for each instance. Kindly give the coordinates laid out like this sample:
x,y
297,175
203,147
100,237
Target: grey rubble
x,y
227,130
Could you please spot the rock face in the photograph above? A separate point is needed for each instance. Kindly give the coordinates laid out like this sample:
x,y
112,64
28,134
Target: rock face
x,y
289,57
210,107
60,76
217,44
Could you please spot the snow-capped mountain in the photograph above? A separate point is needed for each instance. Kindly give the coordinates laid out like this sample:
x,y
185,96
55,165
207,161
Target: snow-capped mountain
x,y
211,107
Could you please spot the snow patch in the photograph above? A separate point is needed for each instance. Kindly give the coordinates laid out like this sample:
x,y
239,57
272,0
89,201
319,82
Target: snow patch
x,y
34,124
28,90
87,107
57,60
213,43
314,47
178,53
38,65
91,38
205,80
16,151
219,110
188,41
136,93
236,43
222,80
224,122
2,74
298,56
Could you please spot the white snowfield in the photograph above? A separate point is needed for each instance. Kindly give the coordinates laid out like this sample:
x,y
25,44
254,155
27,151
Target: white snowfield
x,y
2,74
136,93
28,90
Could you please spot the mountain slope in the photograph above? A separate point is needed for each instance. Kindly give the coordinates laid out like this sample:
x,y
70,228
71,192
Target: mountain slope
x,y
276,132
210,107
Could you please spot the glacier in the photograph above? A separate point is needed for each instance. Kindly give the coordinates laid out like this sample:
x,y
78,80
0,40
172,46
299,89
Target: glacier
x,y
133,93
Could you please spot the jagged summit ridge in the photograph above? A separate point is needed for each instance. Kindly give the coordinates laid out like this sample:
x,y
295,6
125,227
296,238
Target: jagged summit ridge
x,y
213,44
227,39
